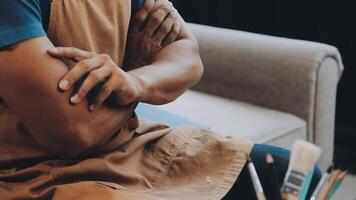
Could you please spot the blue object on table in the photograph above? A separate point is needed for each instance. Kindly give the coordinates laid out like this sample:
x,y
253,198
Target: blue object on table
x,y
158,115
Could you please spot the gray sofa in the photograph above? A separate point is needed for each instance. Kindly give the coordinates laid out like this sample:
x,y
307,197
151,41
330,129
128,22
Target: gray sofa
x,y
267,89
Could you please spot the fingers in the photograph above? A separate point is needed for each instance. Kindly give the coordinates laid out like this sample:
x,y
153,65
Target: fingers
x,y
93,79
172,35
141,15
156,19
164,29
70,52
81,69
104,94
169,24
95,69
159,3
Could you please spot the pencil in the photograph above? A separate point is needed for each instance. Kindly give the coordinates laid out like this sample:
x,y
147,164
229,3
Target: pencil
x,y
255,180
329,185
273,179
339,180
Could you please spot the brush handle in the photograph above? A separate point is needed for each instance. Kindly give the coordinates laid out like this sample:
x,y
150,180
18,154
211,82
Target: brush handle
x,y
328,187
320,186
287,196
254,177
306,186
335,188
260,196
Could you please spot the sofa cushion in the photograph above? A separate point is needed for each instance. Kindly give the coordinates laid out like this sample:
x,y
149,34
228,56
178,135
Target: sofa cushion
x,y
153,113
238,119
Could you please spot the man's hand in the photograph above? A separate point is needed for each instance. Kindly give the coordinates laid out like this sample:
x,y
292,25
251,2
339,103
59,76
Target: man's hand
x,y
97,70
154,26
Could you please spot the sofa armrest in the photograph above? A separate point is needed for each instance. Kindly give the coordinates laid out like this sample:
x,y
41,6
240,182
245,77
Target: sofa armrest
x,y
293,76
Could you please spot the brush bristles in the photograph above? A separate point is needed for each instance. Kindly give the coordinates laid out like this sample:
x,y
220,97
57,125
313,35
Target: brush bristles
x,y
304,156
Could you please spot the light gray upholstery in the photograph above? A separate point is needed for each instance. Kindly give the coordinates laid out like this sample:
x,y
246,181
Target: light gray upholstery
x,y
234,118
278,76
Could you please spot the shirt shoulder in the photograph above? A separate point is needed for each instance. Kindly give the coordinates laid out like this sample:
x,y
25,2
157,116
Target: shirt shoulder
x,y
19,20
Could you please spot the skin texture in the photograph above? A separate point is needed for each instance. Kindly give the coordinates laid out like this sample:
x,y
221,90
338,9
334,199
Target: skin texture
x,y
166,78
29,80
173,64
29,86
147,37
97,70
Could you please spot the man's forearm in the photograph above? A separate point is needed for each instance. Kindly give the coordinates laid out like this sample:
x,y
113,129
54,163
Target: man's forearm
x,y
175,68
163,56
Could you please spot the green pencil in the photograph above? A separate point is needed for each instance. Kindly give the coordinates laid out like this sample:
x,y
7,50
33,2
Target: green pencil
x,y
337,185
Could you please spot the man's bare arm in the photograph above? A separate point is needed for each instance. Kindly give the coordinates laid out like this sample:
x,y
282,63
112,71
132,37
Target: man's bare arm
x,y
28,83
174,69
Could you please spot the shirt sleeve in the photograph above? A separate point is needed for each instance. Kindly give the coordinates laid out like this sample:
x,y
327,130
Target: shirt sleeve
x,y
19,20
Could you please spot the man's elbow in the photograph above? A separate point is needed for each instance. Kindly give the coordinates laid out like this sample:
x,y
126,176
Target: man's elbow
x,y
197,68
192,45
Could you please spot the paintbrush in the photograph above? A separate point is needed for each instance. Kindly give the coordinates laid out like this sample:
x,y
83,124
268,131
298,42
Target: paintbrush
x,y
329,185
255,180
303,159
321,184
